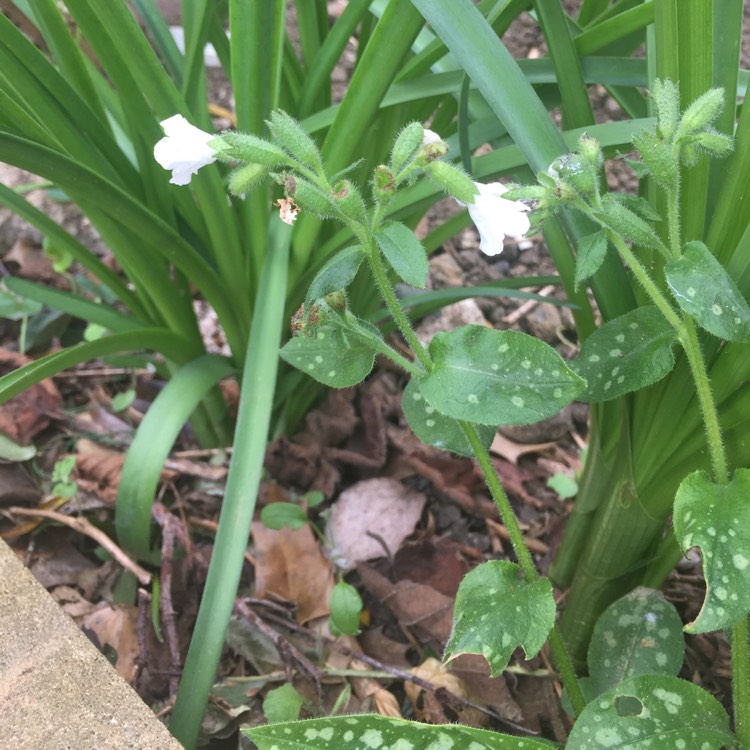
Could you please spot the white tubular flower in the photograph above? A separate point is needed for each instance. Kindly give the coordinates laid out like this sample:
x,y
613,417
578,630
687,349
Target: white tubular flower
x,y
184,149
495,217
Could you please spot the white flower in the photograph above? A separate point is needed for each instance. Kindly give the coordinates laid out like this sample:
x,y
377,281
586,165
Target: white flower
x,y
184,149
496,217
430,136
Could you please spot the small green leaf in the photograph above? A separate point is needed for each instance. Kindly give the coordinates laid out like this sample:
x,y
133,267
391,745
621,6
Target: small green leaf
x,y
705,291
625,354
282,704
12,451
346,606
293,138
591,252
432,428
336,274
716,518
278,515
639,634
652,711
497,377
404,252
627,223
121,401
331,356
497,610
564,485
367,732
14,307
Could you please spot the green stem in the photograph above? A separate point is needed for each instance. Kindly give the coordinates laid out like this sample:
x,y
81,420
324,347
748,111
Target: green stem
x,y
647,283
741,682
692,348
525,561
394,307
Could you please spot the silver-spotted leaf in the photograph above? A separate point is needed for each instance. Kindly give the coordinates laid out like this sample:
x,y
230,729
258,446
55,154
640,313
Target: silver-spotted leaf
x,y
640,633
432,428
652,712
404,252
368,732
336,274
330,355
497,610
706,292
592,250
625,354
497,377
716,518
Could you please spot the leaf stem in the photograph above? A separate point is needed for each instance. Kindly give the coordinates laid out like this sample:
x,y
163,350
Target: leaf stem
x,y
525,561
741,681
391,301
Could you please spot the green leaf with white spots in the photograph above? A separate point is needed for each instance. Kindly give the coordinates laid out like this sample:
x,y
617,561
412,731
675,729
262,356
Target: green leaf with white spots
x,y
652,712
368,732
331,355
497,377
706,292
336,274
404,252
591,252
432,428
640,633
497,610
716,518
625,354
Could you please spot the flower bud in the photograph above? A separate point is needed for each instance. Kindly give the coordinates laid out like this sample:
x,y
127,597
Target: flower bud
x,y
591,151
246,147
717,144
701,113
244,178
292,137
407,145
453,181
311,199
383,183
666,97
348,200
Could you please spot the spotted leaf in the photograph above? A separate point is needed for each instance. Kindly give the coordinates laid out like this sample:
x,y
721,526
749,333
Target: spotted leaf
x,y
497,377
432,428
705,291
640,633
331,355
367,732
649,712
716,518
625,354
498,610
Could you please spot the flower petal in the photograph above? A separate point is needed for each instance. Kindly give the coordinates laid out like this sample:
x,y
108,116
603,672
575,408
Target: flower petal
x,y
184,149
495,217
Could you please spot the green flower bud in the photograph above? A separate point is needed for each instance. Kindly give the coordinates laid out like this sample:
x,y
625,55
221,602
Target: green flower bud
x,y
581,174
666,97
348,200
407,146
310,198
383,183
658,157
292,137
453,180
701,113
246,147
717,144
591,151
244,178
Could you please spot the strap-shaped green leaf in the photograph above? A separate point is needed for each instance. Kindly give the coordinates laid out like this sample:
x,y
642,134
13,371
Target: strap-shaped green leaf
x,y
706,292
498,610
625,354
383,733
404,252
330,355
649,712
716,518
639,634
435,429
152,443
497,377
